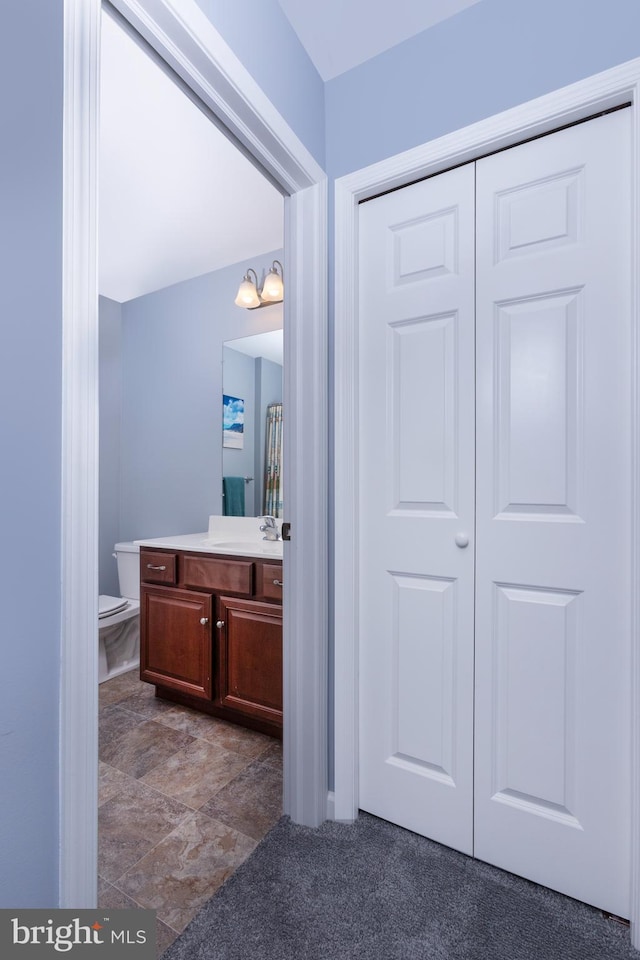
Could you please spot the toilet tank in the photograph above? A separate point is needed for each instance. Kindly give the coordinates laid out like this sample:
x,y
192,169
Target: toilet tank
x,y
128,557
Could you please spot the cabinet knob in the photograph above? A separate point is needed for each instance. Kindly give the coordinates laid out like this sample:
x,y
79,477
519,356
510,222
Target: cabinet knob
x,y
219,624
204,621
462,540
278,583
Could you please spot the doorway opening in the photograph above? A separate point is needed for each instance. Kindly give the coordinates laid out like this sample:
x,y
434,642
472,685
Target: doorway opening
x,y
193,48
183,212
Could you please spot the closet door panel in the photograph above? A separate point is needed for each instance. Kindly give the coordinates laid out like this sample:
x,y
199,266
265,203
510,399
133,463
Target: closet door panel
x,y
416,494
553,511
538,351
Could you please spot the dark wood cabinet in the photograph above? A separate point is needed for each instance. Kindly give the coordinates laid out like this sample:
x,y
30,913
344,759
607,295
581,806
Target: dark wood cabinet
x,y
233,670
175,632
249,676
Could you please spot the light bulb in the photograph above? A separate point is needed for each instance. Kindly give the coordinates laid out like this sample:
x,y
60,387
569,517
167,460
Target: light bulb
x,y
273,289
247,294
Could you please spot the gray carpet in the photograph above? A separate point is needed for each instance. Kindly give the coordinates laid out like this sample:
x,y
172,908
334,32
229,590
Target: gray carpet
x,y
372,891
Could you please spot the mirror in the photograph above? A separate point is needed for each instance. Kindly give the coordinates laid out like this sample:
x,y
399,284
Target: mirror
x,y
252,425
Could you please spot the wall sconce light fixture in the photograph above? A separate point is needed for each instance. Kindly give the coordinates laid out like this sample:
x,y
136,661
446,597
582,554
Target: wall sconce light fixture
x,y
272,290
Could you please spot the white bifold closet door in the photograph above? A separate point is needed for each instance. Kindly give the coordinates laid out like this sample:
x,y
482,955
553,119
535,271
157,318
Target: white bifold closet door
x,y
416,436
495,360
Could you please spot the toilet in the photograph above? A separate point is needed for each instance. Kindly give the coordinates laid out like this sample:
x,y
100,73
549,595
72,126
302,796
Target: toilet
x,y
119,617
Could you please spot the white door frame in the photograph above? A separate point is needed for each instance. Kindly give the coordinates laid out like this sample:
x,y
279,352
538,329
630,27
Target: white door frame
x,y
586,98
185,38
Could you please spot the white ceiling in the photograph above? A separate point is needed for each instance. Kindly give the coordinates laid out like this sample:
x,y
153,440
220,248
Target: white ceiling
x,y
177,199
341,34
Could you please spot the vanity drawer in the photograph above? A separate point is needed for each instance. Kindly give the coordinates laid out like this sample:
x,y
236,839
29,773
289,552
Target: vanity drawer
x,y
217,574
269,581
157,567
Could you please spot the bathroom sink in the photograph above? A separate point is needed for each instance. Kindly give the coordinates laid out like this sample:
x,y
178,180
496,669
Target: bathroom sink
x,y
261,546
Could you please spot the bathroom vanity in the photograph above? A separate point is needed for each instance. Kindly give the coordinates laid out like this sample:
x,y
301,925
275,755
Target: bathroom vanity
x,y
211,626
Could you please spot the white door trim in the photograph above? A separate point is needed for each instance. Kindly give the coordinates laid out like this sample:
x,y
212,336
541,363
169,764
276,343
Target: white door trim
x,y
611,88
183,36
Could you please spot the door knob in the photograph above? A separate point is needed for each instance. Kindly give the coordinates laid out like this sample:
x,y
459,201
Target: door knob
x,y
462,539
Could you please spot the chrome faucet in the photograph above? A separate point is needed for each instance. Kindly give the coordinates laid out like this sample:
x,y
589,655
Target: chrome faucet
x,y
270,528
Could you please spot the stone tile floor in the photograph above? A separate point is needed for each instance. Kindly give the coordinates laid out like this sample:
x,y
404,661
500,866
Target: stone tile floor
x,y
183,800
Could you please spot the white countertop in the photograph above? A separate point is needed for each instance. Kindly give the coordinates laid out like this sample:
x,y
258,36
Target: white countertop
x,y
229,544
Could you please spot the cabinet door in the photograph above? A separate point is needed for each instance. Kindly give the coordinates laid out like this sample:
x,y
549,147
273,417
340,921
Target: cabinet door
x,y
250,658
175,634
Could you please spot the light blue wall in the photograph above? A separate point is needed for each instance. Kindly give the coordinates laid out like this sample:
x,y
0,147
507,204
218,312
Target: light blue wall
x,y
494,55
110,352
263,39
171,451
31,73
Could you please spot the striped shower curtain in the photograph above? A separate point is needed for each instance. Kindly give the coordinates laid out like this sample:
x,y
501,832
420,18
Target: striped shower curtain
x,y
273,472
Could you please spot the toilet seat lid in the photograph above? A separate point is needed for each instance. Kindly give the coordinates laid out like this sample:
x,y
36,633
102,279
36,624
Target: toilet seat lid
x,y
110,605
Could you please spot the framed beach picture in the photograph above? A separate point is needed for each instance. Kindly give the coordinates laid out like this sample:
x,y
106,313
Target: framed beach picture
x,y
232,422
